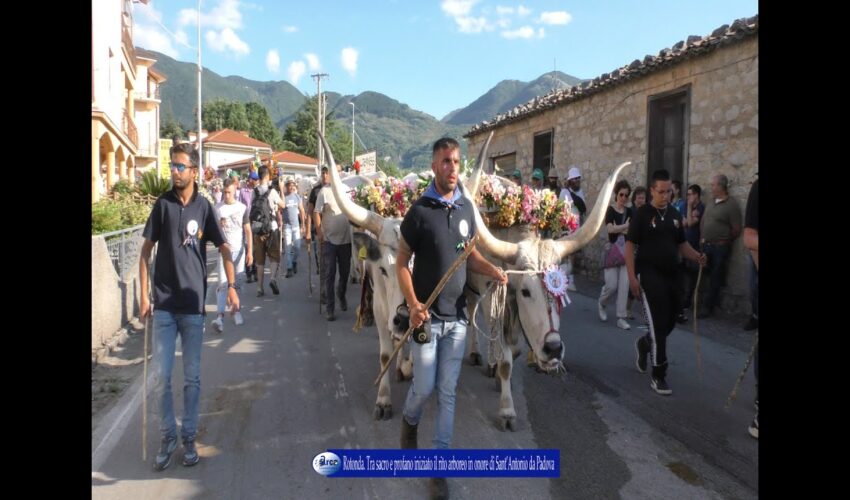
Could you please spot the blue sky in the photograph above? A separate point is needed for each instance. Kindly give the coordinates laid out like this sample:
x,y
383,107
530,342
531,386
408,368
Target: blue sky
x,y
435,55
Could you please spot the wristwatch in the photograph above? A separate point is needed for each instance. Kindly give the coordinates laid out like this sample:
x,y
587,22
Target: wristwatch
x,y
231,285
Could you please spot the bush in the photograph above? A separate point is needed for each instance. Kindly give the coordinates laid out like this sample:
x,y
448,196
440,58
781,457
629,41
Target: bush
x,y
105,217
120,212
123,187
153,185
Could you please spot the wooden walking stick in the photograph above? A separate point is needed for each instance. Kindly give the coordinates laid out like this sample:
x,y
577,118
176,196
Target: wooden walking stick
x,y
696,324
148,321
439,288
310,266
734,392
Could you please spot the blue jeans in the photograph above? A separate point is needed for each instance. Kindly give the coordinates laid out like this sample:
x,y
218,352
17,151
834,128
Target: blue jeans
x,y
166,327
718,262
437,363
292,243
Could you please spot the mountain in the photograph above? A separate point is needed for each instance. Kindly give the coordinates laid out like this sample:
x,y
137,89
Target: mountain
x,y
506,95
179,93
383,124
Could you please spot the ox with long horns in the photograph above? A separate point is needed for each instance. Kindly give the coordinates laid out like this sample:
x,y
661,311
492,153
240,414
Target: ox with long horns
x,y
529,307
380,263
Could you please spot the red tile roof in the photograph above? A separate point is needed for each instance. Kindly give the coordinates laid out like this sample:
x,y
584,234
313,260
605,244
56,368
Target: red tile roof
x,y
227,136
290,157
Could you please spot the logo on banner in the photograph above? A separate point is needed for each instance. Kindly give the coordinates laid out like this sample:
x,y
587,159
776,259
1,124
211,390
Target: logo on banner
x,y
327,463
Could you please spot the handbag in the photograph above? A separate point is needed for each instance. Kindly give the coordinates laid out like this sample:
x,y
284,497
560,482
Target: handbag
x,y
615,256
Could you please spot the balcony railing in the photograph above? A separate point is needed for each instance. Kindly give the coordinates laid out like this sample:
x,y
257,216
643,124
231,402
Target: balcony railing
x,y
144,94
130,129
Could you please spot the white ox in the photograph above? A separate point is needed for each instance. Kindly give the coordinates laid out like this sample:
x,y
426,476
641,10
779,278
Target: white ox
x,y
380,263
529,307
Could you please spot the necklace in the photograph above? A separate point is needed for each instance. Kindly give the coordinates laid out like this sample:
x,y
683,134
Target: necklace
x,y
660,214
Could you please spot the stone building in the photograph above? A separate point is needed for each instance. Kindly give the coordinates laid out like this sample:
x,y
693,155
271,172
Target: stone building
x,y
692,109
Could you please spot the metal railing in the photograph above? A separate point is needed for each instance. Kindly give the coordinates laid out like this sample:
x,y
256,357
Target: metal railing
x,y
124,247
144,94
130,129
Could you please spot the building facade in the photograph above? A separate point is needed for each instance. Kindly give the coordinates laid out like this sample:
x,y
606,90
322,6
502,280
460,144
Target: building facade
x,y
692,109
125,100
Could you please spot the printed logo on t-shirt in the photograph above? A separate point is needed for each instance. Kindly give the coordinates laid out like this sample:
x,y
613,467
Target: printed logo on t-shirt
x,y
676,223
464,228
192,227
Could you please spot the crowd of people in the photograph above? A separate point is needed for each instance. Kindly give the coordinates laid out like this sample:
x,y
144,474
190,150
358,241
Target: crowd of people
x,y
656,243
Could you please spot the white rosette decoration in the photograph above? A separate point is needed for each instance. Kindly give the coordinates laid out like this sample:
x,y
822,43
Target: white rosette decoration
x,y
556,282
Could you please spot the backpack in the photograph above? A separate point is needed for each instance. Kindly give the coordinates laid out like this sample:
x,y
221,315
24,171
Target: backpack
x,y
261,214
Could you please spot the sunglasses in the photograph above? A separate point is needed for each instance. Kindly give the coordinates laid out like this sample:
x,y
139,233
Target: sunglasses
x,y
623,195
179,166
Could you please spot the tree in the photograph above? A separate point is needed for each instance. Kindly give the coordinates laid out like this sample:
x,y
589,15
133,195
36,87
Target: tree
x,y
389,168
221,113
302,133
171,128
260,126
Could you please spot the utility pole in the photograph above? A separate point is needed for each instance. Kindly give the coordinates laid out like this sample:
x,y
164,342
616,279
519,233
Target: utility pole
x,y
320,120
200,148
352,133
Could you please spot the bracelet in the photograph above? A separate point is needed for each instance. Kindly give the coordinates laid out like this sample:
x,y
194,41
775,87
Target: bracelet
x,y
232,285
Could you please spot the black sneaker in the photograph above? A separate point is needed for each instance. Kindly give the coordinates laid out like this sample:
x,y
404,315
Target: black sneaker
x,y
681,318
438,488
330,316
166,448
295,267
751,324
408,435
273,286
288,273
642,352
190,454
660,386
343,304
754,427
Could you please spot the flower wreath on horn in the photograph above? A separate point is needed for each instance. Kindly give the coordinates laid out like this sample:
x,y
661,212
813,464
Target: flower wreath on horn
x,y
556,283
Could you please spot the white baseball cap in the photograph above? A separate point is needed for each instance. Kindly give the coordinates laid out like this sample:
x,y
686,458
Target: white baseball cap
x,y
574,173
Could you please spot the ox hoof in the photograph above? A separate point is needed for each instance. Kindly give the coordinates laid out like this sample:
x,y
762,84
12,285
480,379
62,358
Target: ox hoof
x,y
383,412
516,351
474,359
507,423
491,371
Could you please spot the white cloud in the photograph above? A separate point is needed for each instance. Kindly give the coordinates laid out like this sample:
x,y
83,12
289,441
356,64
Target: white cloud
x,y
273,61
349,60
473,24
522,11
540,33
227,40
183,38
313,61
503,23
457,8
295,71
152,39
504,11
524,32
290,29
149,33
559,17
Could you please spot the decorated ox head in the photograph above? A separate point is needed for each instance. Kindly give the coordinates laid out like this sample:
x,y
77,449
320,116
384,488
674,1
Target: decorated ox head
x,y
538,309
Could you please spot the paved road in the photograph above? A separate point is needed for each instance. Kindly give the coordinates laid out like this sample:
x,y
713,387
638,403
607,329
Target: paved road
x,y
287,385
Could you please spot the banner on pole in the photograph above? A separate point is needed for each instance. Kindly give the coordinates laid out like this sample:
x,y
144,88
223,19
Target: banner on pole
x,y
368,162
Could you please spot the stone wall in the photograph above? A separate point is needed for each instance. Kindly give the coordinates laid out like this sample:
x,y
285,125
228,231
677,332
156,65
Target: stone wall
x,y
601,131
114,301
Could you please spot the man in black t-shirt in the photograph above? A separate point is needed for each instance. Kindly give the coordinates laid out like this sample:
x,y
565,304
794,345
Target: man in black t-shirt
x,y
181,222
658,235
435,229
310,231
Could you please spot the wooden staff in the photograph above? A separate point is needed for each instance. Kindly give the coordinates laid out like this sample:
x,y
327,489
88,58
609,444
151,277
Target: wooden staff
x,y
439,288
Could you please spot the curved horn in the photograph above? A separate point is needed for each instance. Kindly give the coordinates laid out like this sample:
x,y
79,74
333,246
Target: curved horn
x,y
503,250
355,213
475,176
591,227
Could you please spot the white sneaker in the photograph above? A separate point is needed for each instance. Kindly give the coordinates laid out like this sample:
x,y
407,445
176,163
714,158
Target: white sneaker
x,y
237,318
603,316
218,324
621,323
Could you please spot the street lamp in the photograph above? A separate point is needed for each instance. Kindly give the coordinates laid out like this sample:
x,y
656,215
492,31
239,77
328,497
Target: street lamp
x,y
352,131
